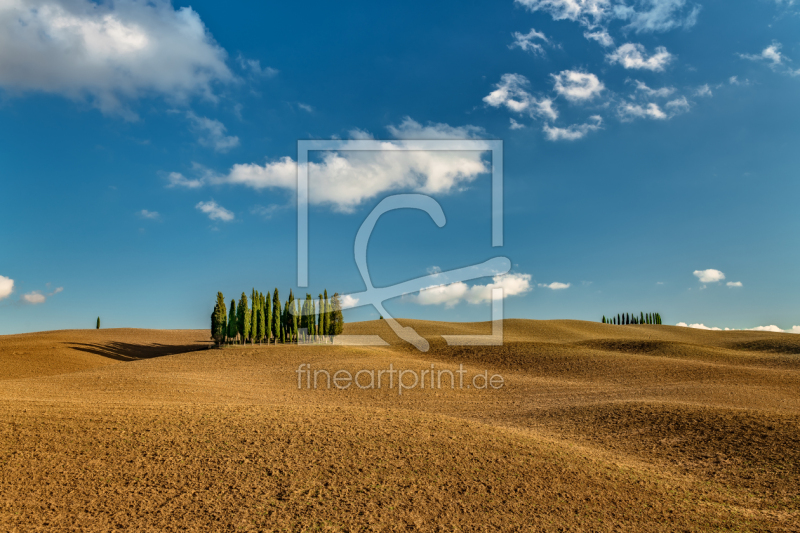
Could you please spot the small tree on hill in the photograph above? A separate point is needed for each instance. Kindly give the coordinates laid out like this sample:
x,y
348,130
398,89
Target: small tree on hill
x,y
219,320
337,318
98,322
276,316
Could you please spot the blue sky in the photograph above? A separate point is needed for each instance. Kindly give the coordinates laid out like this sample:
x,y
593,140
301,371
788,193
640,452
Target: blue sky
x,y
147,154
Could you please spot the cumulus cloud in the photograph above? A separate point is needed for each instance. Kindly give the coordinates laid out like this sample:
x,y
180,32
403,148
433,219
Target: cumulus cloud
x,y
771,329
516,125
109,52
6,287
771,54
577,86
512,92
642,15
710,275
215,211
574,132
556,286
348,301
663,92
454,293
344,179
658,15
176,179
703,90
634,56
211,133
601,37
697,326
34,298
253,66
629,111
588,12
526,41
149,215
734,284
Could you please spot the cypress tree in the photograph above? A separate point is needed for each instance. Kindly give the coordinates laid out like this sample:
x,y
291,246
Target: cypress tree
x,y
233,329
337,318
321,317
220,320
287,321
618,322
243,319
276,316
262,319
326,324
295,319
267,317
98,322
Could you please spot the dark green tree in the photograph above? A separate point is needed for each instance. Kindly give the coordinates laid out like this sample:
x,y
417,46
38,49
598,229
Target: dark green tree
x,y
243,319
233,329
276,316
98,322
219,321
604,319
262,319
267,317
337,318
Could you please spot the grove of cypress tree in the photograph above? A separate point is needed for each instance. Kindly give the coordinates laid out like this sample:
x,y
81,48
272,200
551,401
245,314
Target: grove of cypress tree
x,y
233,329
243,319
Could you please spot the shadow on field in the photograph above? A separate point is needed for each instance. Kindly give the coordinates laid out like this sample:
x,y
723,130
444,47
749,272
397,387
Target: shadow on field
x,y
123,351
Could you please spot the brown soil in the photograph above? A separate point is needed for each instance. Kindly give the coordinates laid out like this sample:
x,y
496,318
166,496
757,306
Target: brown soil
x,y
598,428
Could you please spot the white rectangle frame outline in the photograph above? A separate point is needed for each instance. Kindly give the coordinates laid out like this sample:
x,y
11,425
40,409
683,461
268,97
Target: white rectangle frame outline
x,y
304,146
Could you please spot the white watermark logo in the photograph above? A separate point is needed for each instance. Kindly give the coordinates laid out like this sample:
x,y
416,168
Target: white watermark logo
x,y
376,296
429,378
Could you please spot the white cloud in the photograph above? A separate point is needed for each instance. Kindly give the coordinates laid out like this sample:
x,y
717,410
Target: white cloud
x,y
266,212
411,129
588,12
211,133
176,179
629,111
697,326
663,92
516,125
771,54
634,56
452,294
734,284
525,41
679,105
215,211
574,132
704,90
658,15
556,286
6,287
253,66
601,37
150,215
577,86
709,276
34,297
348,301
345,179
771,329
305,107
58,290
512,93
108,52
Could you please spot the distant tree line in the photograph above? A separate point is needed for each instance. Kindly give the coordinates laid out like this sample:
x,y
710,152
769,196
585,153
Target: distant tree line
x,y
631,318
262,319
